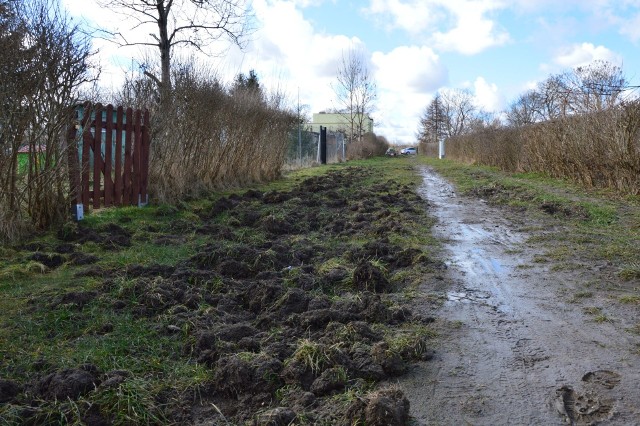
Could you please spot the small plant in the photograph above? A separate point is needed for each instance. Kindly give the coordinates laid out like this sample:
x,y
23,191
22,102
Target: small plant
x,y
457,324
131,402
23,270
282,392
630,299
601,318
581,295
411,342
592,310
630,272
598,316
312,354
635,329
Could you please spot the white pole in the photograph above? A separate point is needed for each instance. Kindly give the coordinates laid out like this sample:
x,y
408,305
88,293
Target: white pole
x,y
441,149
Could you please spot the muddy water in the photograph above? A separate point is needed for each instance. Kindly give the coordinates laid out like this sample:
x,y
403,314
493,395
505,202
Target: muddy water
x,y
514,352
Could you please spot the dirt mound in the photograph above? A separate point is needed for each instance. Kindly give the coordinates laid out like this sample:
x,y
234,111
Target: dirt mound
x,y
368,277
71,383
8,390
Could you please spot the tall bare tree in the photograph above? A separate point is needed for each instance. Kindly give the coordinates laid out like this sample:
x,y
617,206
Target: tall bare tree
x,y
596,87
459,111
172,23
356,91
525,109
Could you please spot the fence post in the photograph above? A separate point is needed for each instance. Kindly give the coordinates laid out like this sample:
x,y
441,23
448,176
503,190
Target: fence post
x,y
143,199
77,209
323,145
118,163
86,148
126,177
97,155
108,157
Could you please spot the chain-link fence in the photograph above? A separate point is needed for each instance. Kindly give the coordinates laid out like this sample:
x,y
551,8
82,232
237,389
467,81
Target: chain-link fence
x,y
304,149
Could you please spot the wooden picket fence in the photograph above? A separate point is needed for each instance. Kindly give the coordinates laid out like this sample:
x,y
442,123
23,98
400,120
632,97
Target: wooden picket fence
x,y
109,156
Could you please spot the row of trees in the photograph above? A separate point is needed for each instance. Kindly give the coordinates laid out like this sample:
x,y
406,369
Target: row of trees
x,y
580,124
588,89
450,113
210,135
584,90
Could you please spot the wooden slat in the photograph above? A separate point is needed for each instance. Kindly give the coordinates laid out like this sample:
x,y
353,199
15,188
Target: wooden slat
x,y
86,147
144,179
108,180
128,141
118,163
136,157
97,156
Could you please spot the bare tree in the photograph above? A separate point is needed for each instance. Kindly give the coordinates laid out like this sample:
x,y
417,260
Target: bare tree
x,y
39,84
193,23
595,87
525,109
459,111
356,91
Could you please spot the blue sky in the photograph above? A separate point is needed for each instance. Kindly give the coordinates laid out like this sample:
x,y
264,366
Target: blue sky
x,y
495,48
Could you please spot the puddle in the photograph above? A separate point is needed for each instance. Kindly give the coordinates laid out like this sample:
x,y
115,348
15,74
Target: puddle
x,y
467,297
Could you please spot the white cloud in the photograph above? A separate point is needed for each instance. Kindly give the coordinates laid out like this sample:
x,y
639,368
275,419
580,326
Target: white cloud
x,y
406,78
412,16
473,32
293,55
452,25
409,68
487,96
583,54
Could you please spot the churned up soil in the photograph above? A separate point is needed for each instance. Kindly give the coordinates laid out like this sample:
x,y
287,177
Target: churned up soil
x,y
291,309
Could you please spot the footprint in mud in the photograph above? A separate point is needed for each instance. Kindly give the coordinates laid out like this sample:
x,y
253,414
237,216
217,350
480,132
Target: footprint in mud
x,y
582,409
588,407
604,378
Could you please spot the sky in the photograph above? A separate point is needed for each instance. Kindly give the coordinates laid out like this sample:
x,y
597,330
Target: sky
x,y
497,49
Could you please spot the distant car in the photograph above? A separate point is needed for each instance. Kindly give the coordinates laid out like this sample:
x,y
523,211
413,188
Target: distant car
x,y
391,152
409,151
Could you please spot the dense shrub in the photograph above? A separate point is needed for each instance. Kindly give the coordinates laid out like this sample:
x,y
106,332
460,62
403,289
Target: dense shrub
x,y
45,61
207,136
600,149
368,146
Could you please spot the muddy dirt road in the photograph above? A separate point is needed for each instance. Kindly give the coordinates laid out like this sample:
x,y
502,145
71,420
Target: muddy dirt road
x,y
518,354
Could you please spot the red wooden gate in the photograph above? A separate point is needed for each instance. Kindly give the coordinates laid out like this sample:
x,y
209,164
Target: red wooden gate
x,y
109,156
